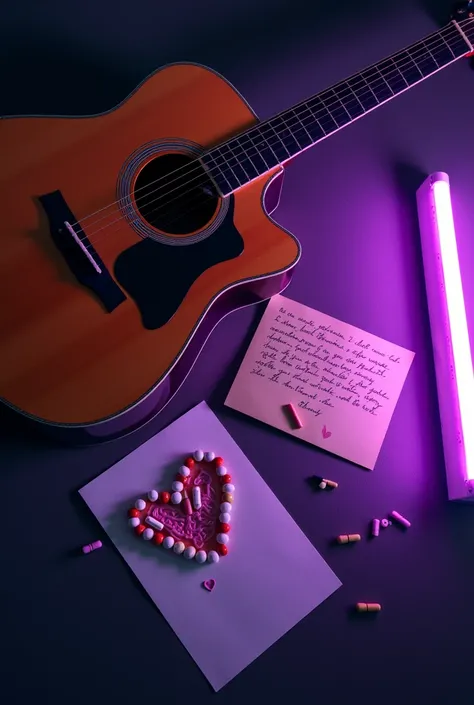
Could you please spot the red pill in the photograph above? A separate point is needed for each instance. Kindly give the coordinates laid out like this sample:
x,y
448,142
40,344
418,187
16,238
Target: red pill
x,y
181,478
133,512
219,461
189,462
139,529
224,528
158,538
164,497
226,479
223,550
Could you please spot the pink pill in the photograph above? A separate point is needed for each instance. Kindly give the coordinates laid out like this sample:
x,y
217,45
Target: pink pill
x,y
384,523
375,527
92,546
295,419
401,520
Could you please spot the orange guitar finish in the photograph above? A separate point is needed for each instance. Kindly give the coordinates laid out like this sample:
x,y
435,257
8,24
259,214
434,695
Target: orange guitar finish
x,y
64,360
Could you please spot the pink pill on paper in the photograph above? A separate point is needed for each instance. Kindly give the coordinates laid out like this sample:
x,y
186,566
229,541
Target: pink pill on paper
x,y
294,418
375,527
92,546
401,520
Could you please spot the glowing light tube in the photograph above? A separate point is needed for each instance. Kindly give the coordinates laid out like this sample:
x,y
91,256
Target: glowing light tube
x,y
449,333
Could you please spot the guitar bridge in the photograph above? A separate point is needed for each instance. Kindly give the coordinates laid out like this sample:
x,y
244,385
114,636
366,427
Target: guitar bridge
x,y
76,248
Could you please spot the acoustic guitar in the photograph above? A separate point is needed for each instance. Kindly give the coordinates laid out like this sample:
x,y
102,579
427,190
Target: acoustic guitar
x,y
125,237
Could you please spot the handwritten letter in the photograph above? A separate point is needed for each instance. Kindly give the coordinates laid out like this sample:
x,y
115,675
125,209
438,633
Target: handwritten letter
x,y
344,383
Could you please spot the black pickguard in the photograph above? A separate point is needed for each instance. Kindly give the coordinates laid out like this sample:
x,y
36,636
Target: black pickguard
x,y
157,276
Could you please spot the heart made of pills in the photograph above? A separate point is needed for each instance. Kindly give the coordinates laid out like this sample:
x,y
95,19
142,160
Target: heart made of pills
x,y
193,518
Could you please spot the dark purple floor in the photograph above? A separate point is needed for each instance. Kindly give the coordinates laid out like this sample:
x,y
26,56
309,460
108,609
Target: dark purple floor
x,y
79,630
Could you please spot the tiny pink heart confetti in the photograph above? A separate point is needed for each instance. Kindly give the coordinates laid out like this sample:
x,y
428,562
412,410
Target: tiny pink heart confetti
x,y
326,433
209,584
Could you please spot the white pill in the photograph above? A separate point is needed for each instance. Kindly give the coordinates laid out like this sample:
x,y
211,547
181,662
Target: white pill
x,y
322,485
179,547
221,471
228,487
152,495
148,534
201,556
177,486
176,497
184,471
209,456
198,455
197,497
154,523
226,507
222,538
213,557
134,521
224,518
190,552
140,504
168,542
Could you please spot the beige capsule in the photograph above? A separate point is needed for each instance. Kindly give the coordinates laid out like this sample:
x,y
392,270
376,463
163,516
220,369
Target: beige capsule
x,y
348,538
368,607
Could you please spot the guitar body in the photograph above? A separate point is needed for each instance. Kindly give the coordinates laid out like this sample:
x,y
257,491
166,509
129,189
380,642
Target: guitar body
x,y
101,323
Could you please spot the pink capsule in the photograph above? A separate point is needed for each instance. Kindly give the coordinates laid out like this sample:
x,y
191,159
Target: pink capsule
x,y
401,520
92,546
375,527
186,504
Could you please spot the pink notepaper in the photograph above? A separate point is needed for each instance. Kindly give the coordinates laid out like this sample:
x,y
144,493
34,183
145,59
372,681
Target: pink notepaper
x,y
343,382
271,578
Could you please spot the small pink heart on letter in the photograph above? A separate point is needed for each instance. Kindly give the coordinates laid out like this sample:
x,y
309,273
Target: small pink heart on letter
x,y
326,434
209,584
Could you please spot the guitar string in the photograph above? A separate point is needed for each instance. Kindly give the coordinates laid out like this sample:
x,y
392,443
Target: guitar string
x,y
300,129
451,30
424,50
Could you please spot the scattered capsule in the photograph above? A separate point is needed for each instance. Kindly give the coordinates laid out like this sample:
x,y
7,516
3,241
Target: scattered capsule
x,y
375,527
401,520
348,538
368,607
88,548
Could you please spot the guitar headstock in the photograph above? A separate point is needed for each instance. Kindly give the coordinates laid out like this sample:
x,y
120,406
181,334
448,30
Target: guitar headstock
x,y
463,10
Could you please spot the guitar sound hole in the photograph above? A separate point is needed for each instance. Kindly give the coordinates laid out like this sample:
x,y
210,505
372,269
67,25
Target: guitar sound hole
x,y
174,194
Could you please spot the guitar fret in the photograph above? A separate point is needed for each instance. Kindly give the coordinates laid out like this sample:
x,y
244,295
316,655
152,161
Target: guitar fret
x,y
272,158
225,157
325,118
278,143
364,93
430,53
286,135
296,124
337,110
352,107
223,185
310,123
247,146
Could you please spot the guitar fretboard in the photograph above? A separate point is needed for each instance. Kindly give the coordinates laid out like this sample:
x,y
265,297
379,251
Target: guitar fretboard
x,y
257,150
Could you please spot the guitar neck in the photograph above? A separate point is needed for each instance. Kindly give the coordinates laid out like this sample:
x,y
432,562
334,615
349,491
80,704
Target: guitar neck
x,y
259,149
